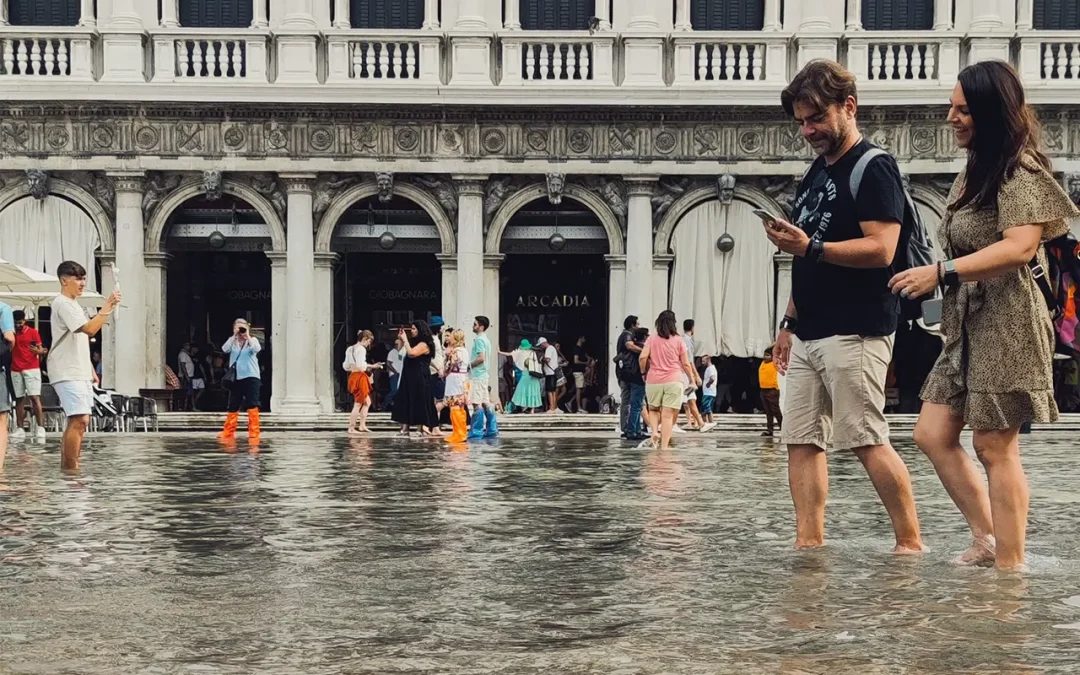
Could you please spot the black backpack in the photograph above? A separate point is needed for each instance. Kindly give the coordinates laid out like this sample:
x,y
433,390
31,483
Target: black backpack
x,y
914,244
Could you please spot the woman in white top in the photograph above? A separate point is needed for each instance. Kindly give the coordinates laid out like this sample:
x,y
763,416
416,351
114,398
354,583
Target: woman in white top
x,y
457,394
360,381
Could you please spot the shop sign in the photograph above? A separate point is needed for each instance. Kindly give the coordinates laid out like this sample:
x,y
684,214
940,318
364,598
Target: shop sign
x,y
547,301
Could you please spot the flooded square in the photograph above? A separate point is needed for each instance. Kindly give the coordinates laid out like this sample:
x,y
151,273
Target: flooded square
x,y
560,554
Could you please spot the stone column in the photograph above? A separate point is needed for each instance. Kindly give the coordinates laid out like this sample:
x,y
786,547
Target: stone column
x,y
470,250
108,339
512,11
661,286
342,14
279,313
4,22
772,16
296,43
616,313
470,45
1025,18
643,45
300,275
449,300
990,32
639,249
324,330
258,14
129,323
122,44
86,14
431,15
854,15
157,277
943,14
682,18
492,263
783,287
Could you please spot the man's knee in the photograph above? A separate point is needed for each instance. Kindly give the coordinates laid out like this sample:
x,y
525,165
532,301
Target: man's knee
x,y
78,423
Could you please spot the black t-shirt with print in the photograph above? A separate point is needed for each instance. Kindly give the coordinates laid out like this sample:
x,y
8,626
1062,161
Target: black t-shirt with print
x,y
829,299
580,353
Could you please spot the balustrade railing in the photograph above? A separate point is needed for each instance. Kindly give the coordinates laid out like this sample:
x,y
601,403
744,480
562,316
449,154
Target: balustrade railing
x,y
384,56
1050,58
210,55
918,57
46,53
563,59
732,58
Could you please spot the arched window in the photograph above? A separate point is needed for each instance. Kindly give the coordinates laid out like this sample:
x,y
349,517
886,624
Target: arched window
x,y
898,14
215,13
1056,15
397,14
557,14
727,14
43,12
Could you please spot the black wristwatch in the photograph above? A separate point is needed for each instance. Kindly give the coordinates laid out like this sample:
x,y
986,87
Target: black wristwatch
x,y
951,277
788,323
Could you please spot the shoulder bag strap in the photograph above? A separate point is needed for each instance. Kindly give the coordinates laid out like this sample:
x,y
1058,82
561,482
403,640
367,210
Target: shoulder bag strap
x,y
1038,273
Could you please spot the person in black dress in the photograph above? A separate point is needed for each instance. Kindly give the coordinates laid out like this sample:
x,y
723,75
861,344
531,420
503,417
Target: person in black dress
x,y
414,404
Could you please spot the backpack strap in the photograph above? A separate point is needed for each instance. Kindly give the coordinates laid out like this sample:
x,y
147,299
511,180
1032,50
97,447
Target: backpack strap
x,y
860,168
1038,273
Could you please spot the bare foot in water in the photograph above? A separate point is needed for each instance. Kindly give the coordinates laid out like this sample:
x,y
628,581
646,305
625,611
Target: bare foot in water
x,y
901,549
354,432
981,552
808,545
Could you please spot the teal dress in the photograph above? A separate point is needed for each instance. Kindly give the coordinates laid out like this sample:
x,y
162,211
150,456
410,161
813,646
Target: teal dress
x,y
527,392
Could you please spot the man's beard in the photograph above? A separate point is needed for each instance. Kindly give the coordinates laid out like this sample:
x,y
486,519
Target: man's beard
x,y
835,142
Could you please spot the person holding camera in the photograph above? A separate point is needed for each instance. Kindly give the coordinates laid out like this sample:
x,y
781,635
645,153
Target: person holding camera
x,y
242,380
26,376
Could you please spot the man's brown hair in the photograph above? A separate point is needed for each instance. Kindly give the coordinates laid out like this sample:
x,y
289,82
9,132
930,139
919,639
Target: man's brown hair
x,y
820,83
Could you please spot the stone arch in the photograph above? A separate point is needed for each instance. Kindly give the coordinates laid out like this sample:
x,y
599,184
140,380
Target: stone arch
x,y
192,187
929,197
588,198
83,199
324,233
686,203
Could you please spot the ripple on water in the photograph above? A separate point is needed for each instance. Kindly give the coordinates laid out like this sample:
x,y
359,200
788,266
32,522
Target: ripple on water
x,y
321,555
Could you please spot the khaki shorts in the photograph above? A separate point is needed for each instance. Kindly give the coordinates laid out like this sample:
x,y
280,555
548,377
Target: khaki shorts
x,y
835,392
479,393
27,383
668,395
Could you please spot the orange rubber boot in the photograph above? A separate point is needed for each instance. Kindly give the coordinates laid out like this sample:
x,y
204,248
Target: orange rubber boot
x,y
230,426
460,425
254,430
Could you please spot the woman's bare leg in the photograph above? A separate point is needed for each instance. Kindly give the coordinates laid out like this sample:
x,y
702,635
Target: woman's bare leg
x,y
999,452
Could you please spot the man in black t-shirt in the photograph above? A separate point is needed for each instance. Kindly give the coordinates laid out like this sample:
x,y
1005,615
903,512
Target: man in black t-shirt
x,y
580,365
625,349
835,342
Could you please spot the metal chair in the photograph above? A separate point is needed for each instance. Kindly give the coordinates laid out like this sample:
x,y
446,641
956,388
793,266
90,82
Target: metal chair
x,y
50,405
145,409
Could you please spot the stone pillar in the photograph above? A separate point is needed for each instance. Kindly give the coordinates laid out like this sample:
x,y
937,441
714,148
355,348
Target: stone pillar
x,y
86,15
122,44
661,286
492,263
943,14
471,16
1025,19
107,338
470,47
431,15
4,22
470,250
816,25
854,15
783,287
258,14
639,249
157,277
603,14
279,313
129,323
296,43
449,299
772,16
342,14
682,18
643,46
512,11
616,313
324,330
300,276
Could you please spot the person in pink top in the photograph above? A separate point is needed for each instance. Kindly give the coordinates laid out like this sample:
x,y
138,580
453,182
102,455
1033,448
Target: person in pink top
x,y
664,360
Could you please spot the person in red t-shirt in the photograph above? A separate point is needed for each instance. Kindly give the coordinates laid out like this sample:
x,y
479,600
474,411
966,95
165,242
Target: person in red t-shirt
x,y
26,376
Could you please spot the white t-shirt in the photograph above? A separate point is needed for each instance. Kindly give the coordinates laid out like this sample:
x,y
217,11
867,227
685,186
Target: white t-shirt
x,y
552,359
69,357
396,358
356,359
710,376
187,366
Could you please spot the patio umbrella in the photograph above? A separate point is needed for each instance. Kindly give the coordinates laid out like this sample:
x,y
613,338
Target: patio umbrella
x,y
22,287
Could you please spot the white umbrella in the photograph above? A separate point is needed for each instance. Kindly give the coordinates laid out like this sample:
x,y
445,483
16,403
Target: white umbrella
x,y
25,299
14,278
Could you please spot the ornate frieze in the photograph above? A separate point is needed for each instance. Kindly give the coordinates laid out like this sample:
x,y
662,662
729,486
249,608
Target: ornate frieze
x,y
722,134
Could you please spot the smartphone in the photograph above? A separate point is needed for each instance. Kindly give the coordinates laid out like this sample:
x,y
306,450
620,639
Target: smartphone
x,y
931,311
766,217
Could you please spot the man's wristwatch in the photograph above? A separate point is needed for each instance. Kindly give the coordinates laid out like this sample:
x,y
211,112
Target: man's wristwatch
x,y
789,324
951,277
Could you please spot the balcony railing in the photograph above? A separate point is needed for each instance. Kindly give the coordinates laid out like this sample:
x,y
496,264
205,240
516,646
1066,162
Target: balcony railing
x,y
384,56
46,53
922,57
705,58
562,59
211,55
1050,57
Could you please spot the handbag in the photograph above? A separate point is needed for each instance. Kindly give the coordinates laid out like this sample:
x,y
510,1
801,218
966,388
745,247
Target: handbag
x,y
229,378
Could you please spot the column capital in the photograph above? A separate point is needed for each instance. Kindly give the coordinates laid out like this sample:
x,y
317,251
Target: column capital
x,y
470,185
105,257
157,260
492,261
783,260
447,260
325,259
128,181
298,183
616,262
661,262
639,185
277,258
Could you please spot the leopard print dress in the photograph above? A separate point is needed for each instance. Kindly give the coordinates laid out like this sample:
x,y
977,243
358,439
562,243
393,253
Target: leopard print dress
x,y
996,369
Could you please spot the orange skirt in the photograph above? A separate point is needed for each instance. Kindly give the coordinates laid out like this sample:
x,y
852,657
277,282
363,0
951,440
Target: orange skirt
x,y
359,386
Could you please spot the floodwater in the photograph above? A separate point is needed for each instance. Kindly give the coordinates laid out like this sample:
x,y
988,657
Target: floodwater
x,y
166,554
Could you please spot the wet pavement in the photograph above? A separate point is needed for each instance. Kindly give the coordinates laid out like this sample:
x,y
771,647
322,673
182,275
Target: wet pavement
x,y
318,554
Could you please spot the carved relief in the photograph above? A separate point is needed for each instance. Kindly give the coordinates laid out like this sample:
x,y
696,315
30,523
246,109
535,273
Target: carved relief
x,y
14,136
555,184
364,138
443,190
665,192
384,180
1072,186
725,188
212,184
270,187
613,191
37,182
622,140
99,186
496,192
158,186
782,191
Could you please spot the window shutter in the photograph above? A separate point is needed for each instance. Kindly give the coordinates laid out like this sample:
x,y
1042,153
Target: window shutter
x,y
557,14
898,14
387,14
727,14
1056,15
215,13
43,12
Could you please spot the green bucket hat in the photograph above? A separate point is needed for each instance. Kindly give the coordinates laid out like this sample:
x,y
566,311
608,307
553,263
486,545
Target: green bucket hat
x,y
525,344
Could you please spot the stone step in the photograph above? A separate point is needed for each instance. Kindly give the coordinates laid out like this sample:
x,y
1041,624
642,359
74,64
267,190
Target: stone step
x,y
180,422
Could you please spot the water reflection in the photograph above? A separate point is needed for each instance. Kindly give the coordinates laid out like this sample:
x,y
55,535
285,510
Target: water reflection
x,y
324,555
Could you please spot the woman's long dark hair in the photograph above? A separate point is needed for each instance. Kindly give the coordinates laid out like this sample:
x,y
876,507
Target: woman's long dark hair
x,y
423,334
666,326
1005,130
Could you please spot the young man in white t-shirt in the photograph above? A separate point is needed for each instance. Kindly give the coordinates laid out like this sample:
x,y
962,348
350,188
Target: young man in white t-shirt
x,y
71,373
551,362
708,389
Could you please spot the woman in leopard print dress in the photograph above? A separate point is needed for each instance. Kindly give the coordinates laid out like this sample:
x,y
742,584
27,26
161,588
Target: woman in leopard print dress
x,y
995,371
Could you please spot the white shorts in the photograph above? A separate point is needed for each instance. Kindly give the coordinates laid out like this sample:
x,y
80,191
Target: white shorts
x,y
27,383
479,393
76,397
455,385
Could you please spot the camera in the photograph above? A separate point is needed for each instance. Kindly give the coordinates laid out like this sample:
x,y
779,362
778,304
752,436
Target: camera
x,y
242,329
